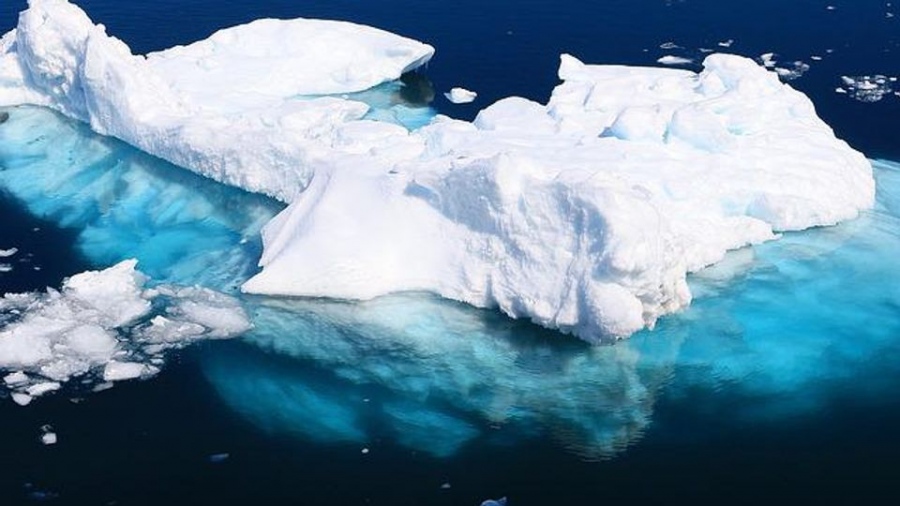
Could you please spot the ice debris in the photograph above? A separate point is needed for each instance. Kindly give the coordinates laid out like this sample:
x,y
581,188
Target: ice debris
x,y
674,60
460,96
868,88
104,324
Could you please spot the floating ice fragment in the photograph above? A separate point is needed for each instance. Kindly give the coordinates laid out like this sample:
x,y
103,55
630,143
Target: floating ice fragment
x,y
669,45
218,458
48,437
768,60
445,486
6,268
15,379
726,43
42,388
494,502
674,60
815,58
119,371
794,71
460,96
21,399
364,451
5,253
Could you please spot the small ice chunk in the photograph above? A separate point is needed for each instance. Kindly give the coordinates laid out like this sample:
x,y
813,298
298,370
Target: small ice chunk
x,y
48,437
494,502
768,60
119,371
726,43
815,58
6,253
365,451
99,387
840,90
460,95
40,389
15,378
669,46
445,486
6,268
674,60
218,458
795,70
21,399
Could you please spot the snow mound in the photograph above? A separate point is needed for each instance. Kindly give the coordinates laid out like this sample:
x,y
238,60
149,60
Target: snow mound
x,y
105,322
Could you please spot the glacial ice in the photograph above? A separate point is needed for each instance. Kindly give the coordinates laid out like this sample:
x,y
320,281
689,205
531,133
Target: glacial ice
x,y
584,214
103,320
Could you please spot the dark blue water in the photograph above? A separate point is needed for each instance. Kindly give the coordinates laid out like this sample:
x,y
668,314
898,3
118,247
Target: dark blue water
x,y
777,385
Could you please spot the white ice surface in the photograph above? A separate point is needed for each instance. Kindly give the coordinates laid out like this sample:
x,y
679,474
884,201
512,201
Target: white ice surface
x,y
584,214
104,321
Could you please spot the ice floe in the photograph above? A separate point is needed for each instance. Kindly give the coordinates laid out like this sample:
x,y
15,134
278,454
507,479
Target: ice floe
x,y
104,323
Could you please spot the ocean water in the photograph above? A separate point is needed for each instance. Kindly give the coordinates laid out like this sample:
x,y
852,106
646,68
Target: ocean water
x,y
777,385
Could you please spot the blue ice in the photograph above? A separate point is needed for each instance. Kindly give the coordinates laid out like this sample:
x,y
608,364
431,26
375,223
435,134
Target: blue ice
x,y
782,329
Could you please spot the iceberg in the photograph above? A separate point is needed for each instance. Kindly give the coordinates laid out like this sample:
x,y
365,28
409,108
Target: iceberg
x,y
584,214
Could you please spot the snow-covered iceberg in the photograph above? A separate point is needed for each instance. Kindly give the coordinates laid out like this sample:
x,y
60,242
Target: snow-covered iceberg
x,y
584,214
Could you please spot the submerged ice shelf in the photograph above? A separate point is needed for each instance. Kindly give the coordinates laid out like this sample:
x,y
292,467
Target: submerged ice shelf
x,y
583,215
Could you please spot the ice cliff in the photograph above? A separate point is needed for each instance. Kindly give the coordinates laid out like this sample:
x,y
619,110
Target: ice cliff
x,y
584,214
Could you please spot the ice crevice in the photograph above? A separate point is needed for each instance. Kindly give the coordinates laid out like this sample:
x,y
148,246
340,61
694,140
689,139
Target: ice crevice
x,y
584,214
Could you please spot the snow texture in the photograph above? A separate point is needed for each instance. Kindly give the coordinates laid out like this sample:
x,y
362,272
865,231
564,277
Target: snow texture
x,y
584,214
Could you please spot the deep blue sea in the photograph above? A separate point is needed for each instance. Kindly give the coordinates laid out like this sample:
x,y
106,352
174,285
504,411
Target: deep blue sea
x,y
778,385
